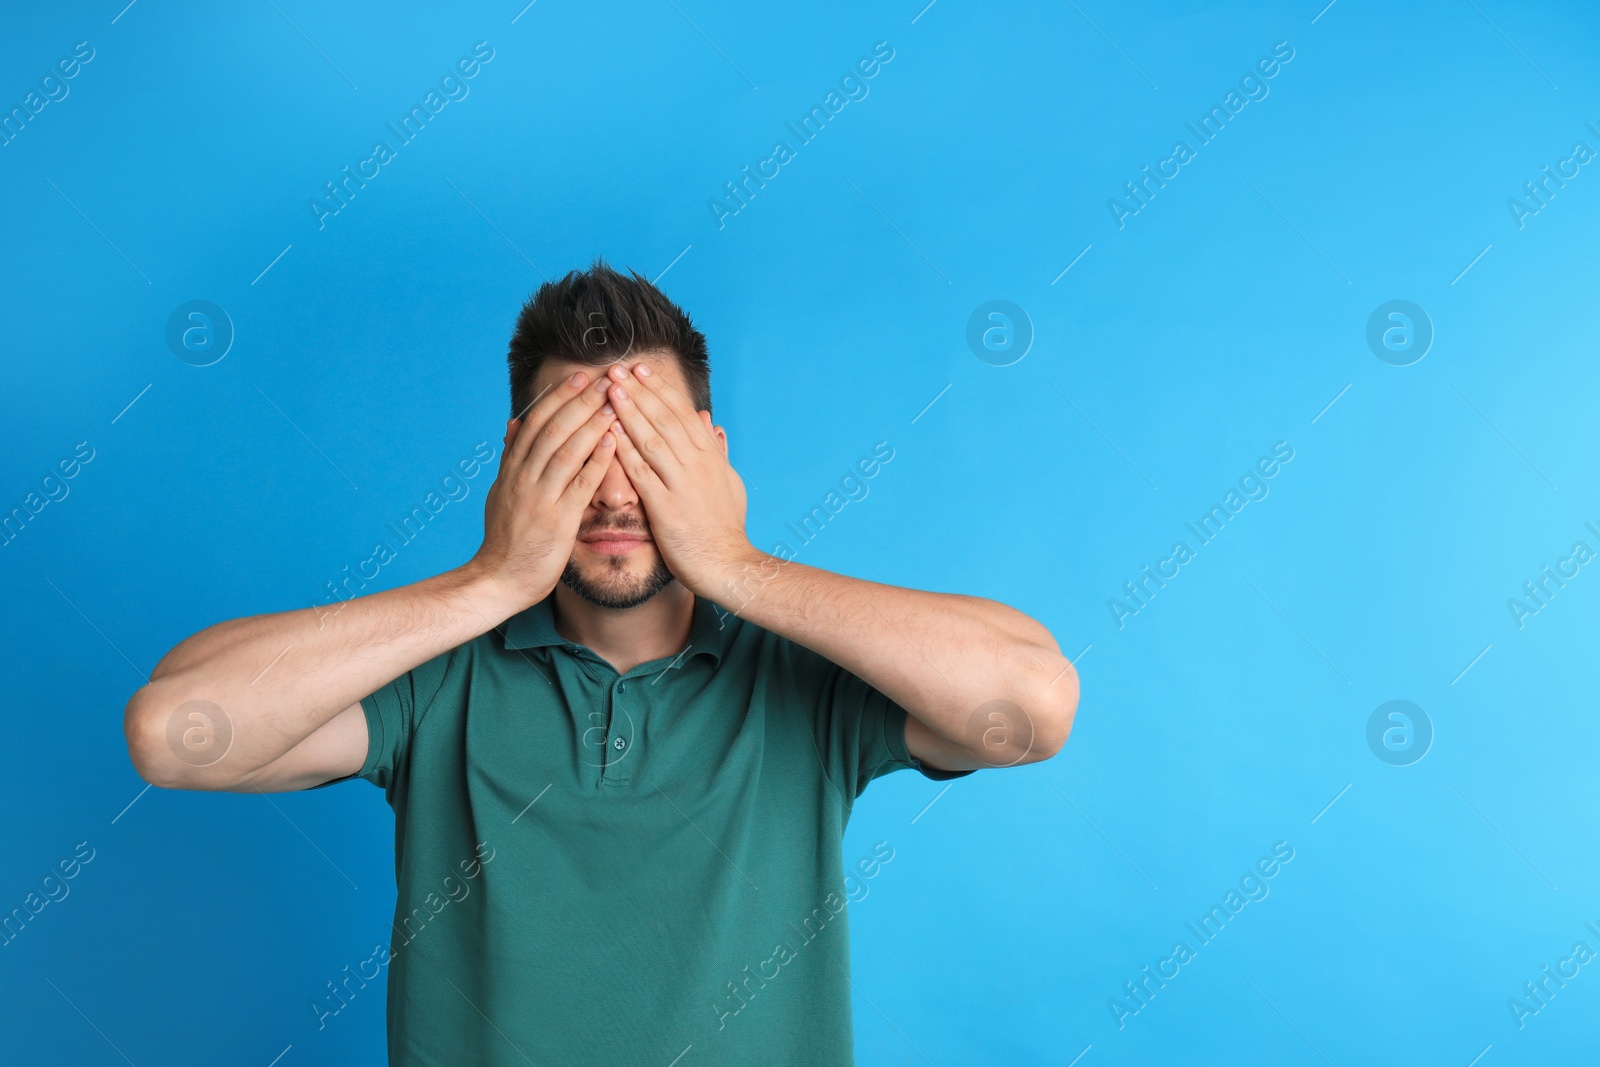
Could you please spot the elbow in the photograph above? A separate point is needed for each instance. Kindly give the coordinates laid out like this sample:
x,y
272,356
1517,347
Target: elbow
x,y
175,746
1052,712
146,739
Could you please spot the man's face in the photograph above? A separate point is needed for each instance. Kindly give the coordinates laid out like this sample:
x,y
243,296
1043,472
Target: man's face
x,y
615,563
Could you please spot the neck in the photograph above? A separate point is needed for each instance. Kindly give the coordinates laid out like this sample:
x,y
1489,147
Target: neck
x,y
627,637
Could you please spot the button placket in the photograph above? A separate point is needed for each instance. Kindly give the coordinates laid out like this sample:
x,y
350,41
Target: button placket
x,y
617,745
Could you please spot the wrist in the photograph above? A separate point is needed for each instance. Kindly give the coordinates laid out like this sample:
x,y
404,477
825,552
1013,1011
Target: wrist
x,y
489,592
741,575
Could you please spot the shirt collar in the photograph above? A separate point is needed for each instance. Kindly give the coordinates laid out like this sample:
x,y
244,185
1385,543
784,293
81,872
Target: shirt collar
x,y
536,628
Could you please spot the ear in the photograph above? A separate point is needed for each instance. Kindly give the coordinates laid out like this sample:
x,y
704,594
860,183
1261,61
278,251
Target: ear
x,y
716,431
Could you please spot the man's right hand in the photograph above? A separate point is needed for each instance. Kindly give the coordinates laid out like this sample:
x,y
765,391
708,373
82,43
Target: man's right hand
x,y
284,690
553,462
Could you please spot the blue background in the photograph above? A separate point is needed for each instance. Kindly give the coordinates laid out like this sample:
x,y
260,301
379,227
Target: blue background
x,y
1223,317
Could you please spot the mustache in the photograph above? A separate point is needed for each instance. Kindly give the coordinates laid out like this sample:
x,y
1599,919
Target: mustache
x,y
622,526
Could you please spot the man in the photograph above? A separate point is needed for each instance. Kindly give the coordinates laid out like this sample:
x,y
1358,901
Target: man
x,y
621,743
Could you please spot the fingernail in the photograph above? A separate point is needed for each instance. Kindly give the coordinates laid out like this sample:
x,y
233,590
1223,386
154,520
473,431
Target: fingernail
x,y
576,379
617,392
641,370
605,409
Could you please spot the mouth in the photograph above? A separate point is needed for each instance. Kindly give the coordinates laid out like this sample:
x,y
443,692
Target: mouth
x,y
614,542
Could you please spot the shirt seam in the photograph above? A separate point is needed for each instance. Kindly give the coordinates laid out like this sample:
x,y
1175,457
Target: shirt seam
x,y
376,738
894,749
372,713
823,764
444,678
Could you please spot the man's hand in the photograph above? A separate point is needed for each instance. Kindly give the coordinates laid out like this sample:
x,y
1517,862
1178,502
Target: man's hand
x,y
986,685
694,497
553,462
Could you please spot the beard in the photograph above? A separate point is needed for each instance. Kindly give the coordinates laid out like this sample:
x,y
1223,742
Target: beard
x,y
614,588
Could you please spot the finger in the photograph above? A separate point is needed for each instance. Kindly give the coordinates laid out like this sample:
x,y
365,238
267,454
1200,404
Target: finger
x,y
587,480
562,424
647,438
539,411
634,465
569,456
667,420
673,400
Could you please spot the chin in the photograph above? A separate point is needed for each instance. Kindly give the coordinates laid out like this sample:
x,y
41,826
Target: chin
x,y
617,583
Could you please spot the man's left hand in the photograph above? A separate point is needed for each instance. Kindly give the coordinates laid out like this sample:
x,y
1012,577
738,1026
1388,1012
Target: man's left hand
x,y
694,498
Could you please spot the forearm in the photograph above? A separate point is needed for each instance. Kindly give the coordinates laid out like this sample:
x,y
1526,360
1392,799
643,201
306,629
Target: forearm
x,y
953,662
277,678
940,656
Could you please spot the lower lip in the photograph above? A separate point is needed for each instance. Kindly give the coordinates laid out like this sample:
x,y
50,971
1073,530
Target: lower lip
x,y
614,548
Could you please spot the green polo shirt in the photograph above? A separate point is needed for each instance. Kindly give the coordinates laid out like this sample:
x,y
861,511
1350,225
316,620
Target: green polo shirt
x,y
609,869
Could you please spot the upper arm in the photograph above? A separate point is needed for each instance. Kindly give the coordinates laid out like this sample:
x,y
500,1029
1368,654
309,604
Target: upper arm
x,y
997,734
371,738
856,728
934,752
861,734
336,749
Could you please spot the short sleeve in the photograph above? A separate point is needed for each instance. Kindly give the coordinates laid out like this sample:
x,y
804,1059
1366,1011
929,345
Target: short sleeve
x,y
860,732
393,714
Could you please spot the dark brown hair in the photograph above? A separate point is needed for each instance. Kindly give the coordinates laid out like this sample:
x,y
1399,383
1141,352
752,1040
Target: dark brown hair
x,y
598,317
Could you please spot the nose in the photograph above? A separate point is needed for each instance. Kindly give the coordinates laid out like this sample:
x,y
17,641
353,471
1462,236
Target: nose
x,y
616,491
